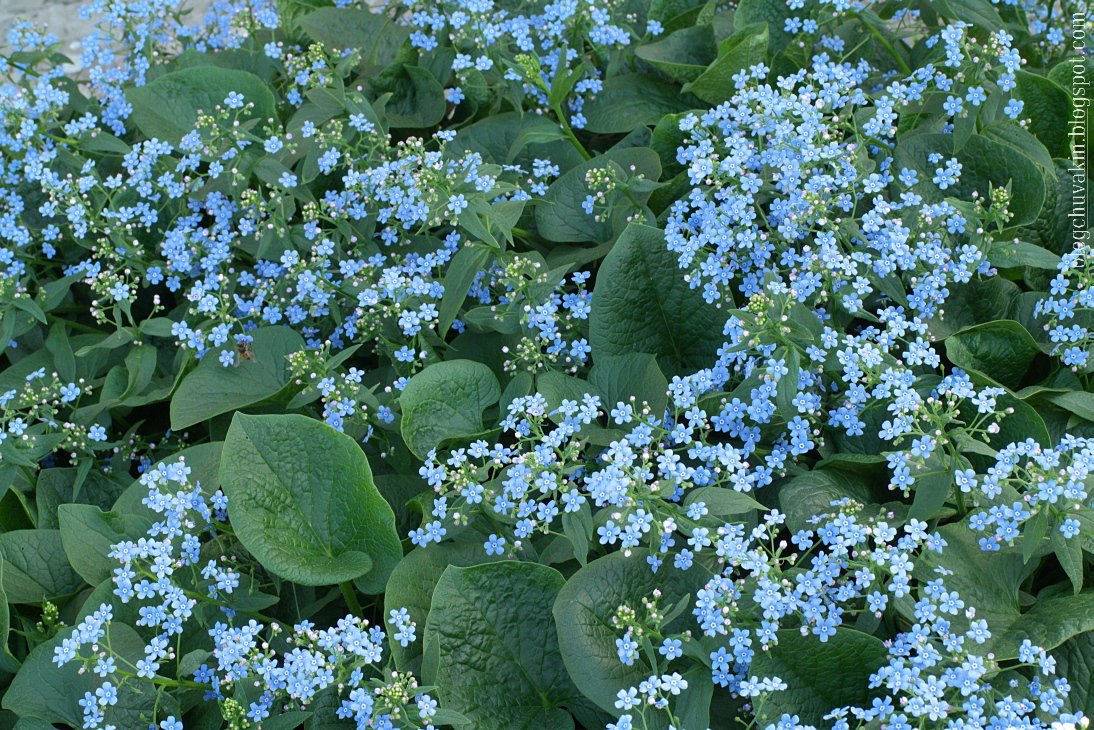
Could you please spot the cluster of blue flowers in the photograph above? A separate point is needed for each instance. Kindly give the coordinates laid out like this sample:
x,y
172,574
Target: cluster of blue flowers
x,y
1070,306
167,575
536,57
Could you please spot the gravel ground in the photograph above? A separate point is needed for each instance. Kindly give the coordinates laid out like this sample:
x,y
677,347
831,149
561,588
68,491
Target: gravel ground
x,y
62,18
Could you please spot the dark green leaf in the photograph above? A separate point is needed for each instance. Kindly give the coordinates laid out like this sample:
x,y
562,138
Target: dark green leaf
x,y
167,108
1009,254
413,581
621,377
376,36
583,613
211,389
985,163
821,676
496,645
560,216
87,534
446,401
1002,350
682,55
34,568
643,304
631,101
812,494
1075,661
42,691
745,48
1048,107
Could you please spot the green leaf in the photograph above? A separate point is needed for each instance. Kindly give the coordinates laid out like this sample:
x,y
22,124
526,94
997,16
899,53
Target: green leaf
x,y
745,48
787,387
578,529
1048,624
413,581
34,568
1021,139
1080,403
621,377
1070,555
556,387
250,59
496,644
446,401
376,36
933,486
772,12
682,55
1033,532
1022,422
399,491
8,663
87,534
812,494
987,581
167,107
820,676
1064,189
1075,661
515,138
465,266
631,101
664,11
977,12
204,463
1010,254
984,163
723,502
301,499
584,609
990,582
1003,350
642,304
42,691
211,389
1048,107
976,301
560,216
417,98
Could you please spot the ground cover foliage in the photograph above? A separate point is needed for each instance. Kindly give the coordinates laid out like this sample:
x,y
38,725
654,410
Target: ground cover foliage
x,y
487,364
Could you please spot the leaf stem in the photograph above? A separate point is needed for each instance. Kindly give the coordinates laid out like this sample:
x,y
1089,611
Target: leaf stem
x,y
888,46
569,132
350,595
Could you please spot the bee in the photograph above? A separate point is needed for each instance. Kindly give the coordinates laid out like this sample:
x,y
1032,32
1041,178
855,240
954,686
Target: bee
x,y
244,351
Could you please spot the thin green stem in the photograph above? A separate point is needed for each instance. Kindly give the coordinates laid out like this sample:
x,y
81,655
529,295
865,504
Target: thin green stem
x,y
350,595
888,46
569,132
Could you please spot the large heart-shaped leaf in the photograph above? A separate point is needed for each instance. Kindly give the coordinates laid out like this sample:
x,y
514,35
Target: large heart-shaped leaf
x,y
167,107
491,646
1002,350
643,304
413,581
42,691
990,583
820,676
446,401
584,610
302,500
211,389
